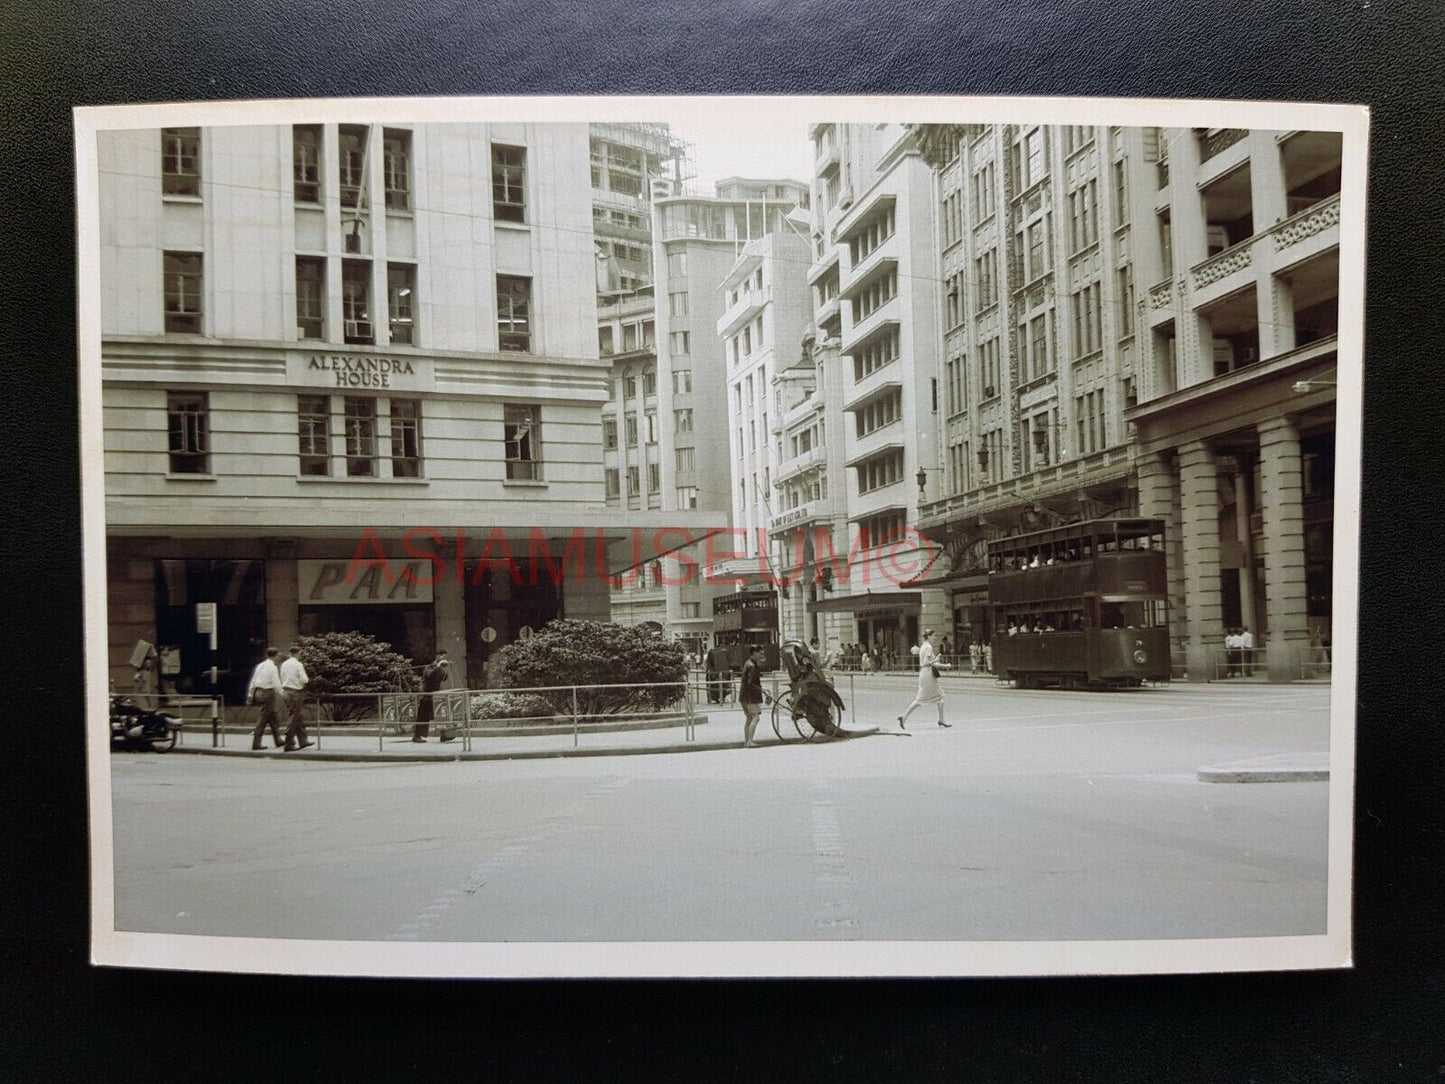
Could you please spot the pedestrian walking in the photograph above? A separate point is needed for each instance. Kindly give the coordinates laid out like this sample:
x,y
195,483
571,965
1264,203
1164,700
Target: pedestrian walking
x,y
929,664
715,662
294,680
750,695
433,677
264,692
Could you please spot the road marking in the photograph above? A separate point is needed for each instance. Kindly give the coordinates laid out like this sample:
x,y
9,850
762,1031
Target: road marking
x,y
830,869
554,824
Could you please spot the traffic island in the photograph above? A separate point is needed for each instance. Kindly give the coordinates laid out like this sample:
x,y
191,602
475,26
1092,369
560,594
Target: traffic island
x,y
1282,768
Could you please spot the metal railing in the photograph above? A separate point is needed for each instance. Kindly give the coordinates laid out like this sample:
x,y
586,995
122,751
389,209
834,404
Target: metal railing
x,y
213,709
1239,662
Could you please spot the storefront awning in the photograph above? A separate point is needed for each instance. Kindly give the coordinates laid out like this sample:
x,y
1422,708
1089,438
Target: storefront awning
x,y
953,581
868,602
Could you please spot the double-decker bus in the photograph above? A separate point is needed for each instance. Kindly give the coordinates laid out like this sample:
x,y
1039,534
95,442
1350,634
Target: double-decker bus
x,y
744,619
1081,605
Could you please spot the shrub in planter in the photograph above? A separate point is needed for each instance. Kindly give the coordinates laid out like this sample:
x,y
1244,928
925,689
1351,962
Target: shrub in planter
x,y
353,662
590,653
511,706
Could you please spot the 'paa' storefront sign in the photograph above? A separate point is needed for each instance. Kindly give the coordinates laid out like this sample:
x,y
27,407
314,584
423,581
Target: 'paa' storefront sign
x,y
340,583
376,372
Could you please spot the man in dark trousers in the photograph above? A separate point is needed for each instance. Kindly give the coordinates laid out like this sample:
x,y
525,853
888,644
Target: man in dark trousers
x,y
433,677
750,695
715,662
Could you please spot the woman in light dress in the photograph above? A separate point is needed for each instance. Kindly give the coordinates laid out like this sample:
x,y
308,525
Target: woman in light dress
x,y
928,691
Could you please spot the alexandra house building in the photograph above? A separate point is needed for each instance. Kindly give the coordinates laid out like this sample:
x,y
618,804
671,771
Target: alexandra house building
x,y
351,382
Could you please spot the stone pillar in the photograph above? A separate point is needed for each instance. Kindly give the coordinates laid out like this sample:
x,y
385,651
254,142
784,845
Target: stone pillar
x,y
1194,343
1159,499
589,600
1246,546
449,620
936,613
1274,297
1199,530
282,594
1284,547
130,598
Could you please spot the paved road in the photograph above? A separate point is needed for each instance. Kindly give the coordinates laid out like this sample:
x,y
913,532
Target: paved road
x,y
1047,815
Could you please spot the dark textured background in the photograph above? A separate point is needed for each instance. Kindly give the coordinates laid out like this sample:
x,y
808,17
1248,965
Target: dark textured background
x,y
1380,1022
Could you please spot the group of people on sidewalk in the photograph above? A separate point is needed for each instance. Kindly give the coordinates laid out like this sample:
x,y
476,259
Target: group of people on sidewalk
x,y
276,687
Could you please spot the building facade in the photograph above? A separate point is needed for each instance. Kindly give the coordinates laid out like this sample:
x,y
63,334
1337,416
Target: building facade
x,y
1142,321
348,372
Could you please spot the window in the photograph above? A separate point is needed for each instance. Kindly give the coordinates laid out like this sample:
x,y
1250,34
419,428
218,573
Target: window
x,y
654,478
396,168
880,471
953,298
882,529
677,264
609,434
680,342
313,419
1084,215
986,275
988,353
310,297
356,301
509,176
874,355
875,295
682,420
1086,308
306,162
882,411
649,383
604,341
1077,137
181,161
629,387
878,229
1034,336
360,437
630,427
955,370
687,497
1125,276
188,425
400,295
1121,193
406,438
182,272
522,427
686,459
353,165
634,482
983,192
1035,235
677,304
613,482
682,382
514,313
650,425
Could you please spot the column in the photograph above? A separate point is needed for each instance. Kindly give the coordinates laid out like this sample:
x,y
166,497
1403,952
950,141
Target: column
x,y
449,618
282,594
1242,510
1284,547
1193,343
936,613
1199,530
1269,199
1159,499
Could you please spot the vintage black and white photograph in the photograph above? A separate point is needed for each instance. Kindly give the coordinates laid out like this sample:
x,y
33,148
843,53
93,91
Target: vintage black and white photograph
x,y
716,536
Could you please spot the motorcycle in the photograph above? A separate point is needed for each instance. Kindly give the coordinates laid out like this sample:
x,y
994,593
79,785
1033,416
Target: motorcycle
x,y
132,726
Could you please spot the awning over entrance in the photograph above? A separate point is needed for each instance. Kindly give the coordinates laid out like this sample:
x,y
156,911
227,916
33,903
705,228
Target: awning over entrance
x,y
868,602
954,581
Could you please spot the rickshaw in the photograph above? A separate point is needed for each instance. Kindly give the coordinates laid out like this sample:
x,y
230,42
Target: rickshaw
x,y
811,705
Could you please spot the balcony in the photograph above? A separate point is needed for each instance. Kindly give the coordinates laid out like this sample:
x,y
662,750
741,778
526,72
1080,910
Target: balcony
x,y
801,463
749,303
1213,141
823,264
1067,476
1223,267
1300,234
827,156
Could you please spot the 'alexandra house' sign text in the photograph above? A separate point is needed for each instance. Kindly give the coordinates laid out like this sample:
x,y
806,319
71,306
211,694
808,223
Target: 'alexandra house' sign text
x,y
363,371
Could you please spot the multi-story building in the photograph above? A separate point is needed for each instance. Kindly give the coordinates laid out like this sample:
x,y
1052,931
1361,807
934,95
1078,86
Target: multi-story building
x,y
767,312
697,242
348,371
627,159
1143,321
877,339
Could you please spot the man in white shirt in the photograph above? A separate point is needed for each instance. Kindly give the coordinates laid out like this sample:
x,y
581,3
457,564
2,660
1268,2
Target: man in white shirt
x,y
1232,644
293,681
265,693
1246,651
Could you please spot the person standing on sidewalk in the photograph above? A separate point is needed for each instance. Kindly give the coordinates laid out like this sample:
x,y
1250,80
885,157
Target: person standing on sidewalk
x,y
1246,651
929,692
433,677
750,695
264,692
294,680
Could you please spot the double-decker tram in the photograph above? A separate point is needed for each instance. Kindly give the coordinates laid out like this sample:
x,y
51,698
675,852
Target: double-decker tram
x,y
744,619
1081,605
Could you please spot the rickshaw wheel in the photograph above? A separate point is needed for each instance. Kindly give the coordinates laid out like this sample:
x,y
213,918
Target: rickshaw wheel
x,y
779,717
808,732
